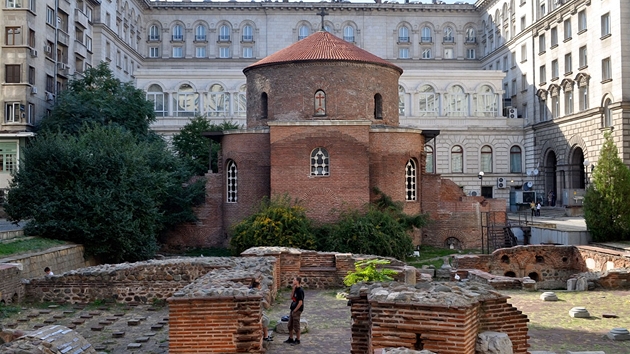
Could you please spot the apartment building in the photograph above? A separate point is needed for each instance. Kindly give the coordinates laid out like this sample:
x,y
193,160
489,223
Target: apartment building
x,y
519,89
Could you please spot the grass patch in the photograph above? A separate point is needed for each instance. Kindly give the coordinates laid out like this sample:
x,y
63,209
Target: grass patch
x,y
30,245
437,263
7,311
208,252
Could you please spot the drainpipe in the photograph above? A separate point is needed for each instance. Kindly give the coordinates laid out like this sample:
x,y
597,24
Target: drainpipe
x,y
54,48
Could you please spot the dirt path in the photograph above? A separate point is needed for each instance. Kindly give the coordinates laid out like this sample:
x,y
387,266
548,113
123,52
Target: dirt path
x,y
328,320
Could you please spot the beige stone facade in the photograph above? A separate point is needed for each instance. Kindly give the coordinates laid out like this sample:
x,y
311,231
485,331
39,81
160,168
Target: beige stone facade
x,y
468,68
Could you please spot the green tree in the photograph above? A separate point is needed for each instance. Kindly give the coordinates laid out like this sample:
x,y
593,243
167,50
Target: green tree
x,y
277,222
606,206
100,98
196,149
96,175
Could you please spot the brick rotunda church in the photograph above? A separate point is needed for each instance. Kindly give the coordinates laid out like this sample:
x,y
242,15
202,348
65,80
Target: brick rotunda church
x,y
322,127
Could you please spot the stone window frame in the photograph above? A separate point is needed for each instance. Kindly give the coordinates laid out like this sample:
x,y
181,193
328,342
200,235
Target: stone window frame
x,y
515,151
319,162
457,152
231,181
486,159
411,181
430,165
316,98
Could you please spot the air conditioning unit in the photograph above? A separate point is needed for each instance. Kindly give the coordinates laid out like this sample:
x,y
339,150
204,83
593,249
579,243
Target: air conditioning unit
x,y
62,66
33,90
49,96
501,182
33,53
47,49
512,112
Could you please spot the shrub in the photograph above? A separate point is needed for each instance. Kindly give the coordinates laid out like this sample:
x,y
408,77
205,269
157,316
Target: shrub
x,y
277,222
383,230
366,271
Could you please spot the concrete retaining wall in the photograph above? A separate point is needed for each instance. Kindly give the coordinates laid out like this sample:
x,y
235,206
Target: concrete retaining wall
x,y
60,259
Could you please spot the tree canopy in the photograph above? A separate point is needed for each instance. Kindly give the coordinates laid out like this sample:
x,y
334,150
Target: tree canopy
x,y
606,206
198,151
100,98
106,183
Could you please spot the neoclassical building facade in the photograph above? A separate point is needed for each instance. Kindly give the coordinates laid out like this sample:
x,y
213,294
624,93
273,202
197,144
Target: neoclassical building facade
x,y
521,90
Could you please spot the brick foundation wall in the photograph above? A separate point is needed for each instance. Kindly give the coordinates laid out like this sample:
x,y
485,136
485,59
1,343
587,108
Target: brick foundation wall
x,y
11,287
139,283
215,325
597,259
615,279
360,314
499,316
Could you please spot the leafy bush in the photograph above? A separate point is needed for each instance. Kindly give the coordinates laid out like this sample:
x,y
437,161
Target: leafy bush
x,y
277,222
366,271
382,230
606,207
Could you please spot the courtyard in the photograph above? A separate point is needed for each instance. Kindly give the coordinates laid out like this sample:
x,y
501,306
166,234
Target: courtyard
x,y
117,329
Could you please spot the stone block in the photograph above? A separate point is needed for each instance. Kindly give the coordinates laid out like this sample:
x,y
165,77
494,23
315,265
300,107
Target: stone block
x,y
571,284
579,312
493,343
443,273
283,327
581,284
429,271
549,296
619,334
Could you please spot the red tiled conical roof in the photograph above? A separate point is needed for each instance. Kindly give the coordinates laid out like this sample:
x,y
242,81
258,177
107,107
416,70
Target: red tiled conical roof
x,y
322,46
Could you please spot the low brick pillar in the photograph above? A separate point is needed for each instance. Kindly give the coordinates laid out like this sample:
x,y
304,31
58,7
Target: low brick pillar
x,y
219,324
360,314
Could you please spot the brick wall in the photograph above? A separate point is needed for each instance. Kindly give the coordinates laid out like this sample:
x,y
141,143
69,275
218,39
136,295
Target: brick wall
x,y
291,90
11,287
598,259
454,215
499,316
215,325
139,282
208,230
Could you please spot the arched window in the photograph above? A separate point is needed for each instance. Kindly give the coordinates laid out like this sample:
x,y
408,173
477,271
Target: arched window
x,y
456,101
157,96
378,106
303,32
607,117
426,53
401,100
217,101
241,101
186,102
485,102
471,36
232,182
583,91
263,105
154,33
224,33
320,165
457,159
427,105
429,168
516,161
568,99
319,103
448,35
348,34
248,33
555,103
427,37
178,33
403,34
200,33
410,180
486,159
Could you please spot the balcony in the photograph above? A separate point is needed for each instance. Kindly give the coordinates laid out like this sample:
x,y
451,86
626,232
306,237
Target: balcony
x,y
80,49
448,39
81,18
426,39
403,39
63,38
471,40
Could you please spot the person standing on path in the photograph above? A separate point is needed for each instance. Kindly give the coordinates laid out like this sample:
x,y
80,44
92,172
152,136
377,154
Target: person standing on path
x,y
532,206
538,209
297,306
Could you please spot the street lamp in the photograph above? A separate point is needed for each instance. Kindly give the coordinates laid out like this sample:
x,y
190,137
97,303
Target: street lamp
x,y
480,176
586,163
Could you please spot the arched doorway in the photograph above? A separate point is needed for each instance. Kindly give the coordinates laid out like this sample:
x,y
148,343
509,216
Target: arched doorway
x,y
576,169
551,168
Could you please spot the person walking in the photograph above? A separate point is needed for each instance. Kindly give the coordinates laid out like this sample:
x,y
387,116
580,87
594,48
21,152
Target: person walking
x,y
297,306
538,206
532,206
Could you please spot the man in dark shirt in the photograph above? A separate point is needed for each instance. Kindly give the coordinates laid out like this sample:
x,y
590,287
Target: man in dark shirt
x,y
297,306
